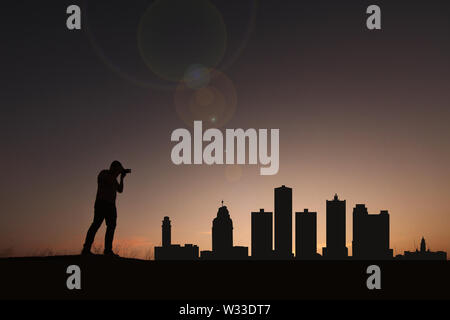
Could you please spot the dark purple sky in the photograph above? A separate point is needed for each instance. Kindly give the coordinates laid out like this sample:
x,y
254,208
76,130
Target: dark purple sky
x,y
361,113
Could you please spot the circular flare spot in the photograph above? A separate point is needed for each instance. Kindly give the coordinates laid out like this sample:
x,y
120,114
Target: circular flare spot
x,y
213,104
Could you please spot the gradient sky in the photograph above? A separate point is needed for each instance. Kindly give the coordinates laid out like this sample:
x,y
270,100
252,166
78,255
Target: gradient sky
x,y
361,113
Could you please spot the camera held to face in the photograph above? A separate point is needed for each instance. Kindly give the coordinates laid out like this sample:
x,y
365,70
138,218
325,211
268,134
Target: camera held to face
x,y
125,171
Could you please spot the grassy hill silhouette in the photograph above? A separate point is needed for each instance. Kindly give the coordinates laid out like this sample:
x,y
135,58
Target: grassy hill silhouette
x,y
124,278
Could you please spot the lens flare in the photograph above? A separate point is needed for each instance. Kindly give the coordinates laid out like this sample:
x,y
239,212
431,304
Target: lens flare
x,y
175,34
205,96
197,76
117,48
202,42
214,103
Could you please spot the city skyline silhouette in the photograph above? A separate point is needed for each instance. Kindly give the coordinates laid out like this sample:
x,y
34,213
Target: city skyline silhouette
x,y
371,236
360,113
358,142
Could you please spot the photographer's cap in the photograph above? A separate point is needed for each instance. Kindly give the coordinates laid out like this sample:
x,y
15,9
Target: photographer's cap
x,y
116,165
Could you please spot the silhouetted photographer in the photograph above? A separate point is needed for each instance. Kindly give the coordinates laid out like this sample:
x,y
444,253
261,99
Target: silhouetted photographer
x,y
105,206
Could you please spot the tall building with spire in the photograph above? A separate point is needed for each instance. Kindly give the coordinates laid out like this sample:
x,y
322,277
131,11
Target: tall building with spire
x,y
222,239
423,245
222,231
336,248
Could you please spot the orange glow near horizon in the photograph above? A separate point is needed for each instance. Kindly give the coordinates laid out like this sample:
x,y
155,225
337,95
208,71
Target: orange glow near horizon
x,y
139,226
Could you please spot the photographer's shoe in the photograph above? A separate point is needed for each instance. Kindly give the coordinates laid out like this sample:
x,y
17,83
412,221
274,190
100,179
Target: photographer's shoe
x,y
110,253
86,252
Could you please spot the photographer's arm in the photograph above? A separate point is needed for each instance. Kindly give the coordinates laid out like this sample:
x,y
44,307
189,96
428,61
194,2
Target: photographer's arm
x,y
120,186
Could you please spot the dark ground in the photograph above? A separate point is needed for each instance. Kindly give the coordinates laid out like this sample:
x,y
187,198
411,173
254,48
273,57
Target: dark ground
x,y
120,278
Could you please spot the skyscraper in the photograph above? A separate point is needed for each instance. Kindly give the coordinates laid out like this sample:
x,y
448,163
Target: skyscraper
x,y
283,222
370,234
305,235
166,232
335,248
262,234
